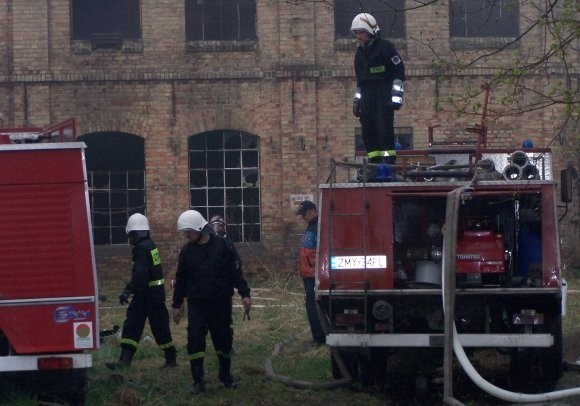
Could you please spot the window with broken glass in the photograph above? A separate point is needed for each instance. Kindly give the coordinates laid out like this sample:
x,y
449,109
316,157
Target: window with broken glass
x,y
224,179
116,181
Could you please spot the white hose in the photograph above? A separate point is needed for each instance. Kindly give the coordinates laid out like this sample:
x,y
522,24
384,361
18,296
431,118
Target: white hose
x,y
502,393
487,386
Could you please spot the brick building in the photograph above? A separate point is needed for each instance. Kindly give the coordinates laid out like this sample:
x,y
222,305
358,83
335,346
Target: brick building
x,y
237,106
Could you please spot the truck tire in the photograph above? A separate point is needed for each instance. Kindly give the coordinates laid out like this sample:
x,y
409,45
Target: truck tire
x,y
537,370
69,386
373,367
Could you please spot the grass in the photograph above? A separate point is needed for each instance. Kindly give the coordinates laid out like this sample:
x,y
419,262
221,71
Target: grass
x,y
278,316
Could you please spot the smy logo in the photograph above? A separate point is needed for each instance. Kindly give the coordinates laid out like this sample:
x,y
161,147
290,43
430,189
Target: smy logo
x,y
63,314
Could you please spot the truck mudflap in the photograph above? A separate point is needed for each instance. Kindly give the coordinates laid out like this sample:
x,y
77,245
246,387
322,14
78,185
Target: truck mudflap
x,y
14,363
436,340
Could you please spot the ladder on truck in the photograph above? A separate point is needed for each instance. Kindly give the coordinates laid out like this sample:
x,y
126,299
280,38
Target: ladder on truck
x,y
363,215
64,131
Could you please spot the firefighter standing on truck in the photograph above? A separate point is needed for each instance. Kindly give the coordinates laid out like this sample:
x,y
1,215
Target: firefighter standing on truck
x,y
380,74
148,289
207,273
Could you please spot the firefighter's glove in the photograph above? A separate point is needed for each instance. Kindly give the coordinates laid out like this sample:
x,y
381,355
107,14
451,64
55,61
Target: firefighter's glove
x,y
247,302
124,297
356,102
395,106
177,314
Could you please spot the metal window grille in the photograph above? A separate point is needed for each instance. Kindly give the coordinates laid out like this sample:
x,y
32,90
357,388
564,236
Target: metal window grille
x,y
220,20
224,179
114,196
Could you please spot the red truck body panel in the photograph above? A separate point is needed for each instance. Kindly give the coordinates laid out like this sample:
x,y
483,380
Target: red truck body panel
x,y
349,235
48,299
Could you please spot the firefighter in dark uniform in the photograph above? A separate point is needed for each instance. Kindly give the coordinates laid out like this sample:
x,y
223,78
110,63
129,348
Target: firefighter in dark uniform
x,y
380,74
207,273
148,289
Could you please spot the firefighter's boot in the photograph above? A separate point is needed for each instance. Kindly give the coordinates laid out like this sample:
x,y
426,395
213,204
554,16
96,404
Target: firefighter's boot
x,y
124,360
170,358
225,375
198,381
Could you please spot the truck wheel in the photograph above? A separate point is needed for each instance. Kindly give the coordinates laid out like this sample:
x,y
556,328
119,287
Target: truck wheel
x,y
373,367
537,370
69,386
349,359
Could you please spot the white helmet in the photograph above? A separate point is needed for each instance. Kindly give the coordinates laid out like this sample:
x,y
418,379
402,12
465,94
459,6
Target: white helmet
x,y
365,21
137,222
191,220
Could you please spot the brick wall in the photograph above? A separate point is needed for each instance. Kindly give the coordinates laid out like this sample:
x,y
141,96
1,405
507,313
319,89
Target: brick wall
x,y
292,89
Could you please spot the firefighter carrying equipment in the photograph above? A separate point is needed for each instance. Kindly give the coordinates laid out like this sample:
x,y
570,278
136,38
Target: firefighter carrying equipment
x,y
191,220
365,22
137,222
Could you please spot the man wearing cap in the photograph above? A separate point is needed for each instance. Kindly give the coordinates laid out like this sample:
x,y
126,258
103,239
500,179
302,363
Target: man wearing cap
x,y
307,262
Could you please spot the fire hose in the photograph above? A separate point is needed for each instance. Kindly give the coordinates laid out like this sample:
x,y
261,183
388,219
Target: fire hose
x,y
450,232
303,384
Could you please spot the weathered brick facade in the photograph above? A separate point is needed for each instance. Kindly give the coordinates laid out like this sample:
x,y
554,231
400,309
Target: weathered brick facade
x,y
292,88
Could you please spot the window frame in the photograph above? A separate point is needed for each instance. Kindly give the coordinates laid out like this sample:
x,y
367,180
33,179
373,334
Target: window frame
x,y
509,23
120,27
197,15
218,172
116,216
116,182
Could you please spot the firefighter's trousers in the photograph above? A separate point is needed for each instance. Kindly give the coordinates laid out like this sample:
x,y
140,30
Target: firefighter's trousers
x,y
213,315
149,304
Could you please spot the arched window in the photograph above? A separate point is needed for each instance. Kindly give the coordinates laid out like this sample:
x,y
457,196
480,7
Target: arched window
x,y
116,179
224,179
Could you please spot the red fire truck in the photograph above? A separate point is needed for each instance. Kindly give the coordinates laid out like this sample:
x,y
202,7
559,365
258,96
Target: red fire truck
x,y
381,256
48,289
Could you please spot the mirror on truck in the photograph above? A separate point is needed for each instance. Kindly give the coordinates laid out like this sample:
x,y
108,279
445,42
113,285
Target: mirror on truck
x,y
566,183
